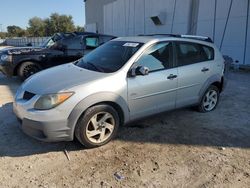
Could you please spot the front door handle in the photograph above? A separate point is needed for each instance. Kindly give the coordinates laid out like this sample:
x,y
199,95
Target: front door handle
x,y
172,76
204,69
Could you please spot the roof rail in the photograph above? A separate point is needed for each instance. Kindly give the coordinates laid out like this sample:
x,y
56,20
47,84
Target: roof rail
x,y
167,35
207,39
195,37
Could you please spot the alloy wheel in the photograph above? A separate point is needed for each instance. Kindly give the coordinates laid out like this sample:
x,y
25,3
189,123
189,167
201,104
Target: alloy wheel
x,y
210,100
100,127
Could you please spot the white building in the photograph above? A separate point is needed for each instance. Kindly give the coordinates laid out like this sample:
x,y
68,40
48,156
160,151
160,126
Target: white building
x,y
227,22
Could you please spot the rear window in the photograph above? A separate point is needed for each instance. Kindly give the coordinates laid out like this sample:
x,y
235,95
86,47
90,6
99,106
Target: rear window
x,y
190,53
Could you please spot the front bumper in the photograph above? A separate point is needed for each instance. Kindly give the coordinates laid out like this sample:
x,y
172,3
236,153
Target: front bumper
x,y
49,131
46,131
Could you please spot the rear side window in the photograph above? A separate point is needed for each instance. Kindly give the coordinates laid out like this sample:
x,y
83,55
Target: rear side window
x,y
74,43
92,42
190,53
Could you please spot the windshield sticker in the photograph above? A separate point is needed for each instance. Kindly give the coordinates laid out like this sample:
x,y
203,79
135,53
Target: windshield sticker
x,y
129,44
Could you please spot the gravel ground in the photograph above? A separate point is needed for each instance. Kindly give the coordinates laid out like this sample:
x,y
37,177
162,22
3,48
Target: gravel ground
x,y
181,148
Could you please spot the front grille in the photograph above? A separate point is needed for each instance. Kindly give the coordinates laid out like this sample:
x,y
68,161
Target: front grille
x,y
27,95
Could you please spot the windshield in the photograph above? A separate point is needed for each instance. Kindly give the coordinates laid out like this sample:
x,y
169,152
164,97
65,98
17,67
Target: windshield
x,y
51,41
109,57
48,43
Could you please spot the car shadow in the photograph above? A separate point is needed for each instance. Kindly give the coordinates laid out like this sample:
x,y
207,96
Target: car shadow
x,y
185,128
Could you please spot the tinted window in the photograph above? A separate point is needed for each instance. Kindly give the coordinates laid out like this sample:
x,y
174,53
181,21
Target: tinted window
x,y
157,57
92,42
209,52
74,43
189,53
109,57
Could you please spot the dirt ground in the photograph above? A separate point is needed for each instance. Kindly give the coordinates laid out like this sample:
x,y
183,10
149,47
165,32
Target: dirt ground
x,y
181,148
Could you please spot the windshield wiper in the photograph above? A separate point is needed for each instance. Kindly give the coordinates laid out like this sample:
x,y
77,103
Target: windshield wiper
x,y
95,67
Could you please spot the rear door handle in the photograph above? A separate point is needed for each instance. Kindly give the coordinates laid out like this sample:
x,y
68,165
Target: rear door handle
x,y
172,76
204,69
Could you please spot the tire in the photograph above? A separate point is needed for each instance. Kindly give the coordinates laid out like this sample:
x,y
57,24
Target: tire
x,y
98,125
209,100
27,69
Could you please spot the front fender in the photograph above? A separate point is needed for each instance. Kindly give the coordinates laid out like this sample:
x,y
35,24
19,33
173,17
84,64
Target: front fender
x,y
91,100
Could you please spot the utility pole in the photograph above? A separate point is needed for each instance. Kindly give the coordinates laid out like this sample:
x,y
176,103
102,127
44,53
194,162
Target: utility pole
x,y
1,27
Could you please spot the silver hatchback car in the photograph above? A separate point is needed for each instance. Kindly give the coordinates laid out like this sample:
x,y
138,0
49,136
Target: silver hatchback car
x,y
123,80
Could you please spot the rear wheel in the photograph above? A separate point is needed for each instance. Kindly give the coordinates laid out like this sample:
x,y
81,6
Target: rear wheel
x,y
209,100
97,126
27,69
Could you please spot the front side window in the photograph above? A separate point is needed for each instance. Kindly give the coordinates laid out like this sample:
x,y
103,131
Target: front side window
x,y
109,57
157,57
190,53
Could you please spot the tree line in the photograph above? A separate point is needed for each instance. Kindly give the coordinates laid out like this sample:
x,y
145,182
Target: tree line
x,y
39,27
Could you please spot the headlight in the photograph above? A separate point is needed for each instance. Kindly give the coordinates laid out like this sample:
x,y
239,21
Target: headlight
x,y
5,57
50,101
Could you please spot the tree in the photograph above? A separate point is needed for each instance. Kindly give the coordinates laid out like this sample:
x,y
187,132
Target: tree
x,y
3,35
79,29
59,23
15,31
36,27
39,27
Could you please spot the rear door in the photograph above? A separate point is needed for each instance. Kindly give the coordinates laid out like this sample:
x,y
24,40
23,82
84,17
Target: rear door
x,y
156,91
194,68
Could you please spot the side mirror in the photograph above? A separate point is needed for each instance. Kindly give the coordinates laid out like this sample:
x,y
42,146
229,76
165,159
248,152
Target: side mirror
x,y
139,71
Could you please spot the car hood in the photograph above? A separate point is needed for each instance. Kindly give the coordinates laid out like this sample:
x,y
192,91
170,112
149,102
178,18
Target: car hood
x,y
21,50
60,78
2,48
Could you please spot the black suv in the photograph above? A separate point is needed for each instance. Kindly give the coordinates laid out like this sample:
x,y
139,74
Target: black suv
x,y
58,49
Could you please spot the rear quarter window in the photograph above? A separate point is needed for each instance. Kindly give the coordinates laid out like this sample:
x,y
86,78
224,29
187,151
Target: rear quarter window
x,y
209,52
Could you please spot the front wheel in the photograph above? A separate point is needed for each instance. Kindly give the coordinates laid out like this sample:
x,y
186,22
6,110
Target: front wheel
x,y
27,69
209,100
97,126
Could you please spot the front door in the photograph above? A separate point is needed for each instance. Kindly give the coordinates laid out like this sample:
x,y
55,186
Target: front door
x,y
156,91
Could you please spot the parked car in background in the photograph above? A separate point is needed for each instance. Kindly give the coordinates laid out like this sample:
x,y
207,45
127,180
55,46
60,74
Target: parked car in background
x,y
125,79
59,49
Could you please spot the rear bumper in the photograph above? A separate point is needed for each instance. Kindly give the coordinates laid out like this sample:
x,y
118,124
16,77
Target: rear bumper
x,y
224,81
224,84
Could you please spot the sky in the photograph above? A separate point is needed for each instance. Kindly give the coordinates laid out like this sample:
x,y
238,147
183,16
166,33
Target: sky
x,y
18,12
